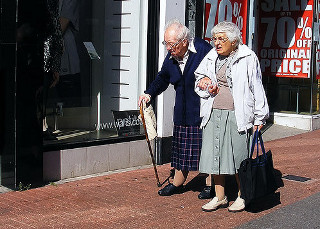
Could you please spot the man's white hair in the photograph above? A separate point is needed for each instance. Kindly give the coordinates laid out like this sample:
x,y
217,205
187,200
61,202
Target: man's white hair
x,y
232,31
182,32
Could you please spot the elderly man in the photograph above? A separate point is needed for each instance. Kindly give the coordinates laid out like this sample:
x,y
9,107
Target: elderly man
x,y
184,56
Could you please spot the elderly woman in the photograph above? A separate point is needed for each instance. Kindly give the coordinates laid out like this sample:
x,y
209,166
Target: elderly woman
x,y
233,104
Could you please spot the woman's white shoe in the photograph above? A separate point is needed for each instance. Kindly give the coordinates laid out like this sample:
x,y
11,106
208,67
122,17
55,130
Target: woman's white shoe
x,y
238,205
215,204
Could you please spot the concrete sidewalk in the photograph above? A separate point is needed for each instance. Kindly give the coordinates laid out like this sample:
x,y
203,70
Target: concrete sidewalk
x,y
302,214
129,199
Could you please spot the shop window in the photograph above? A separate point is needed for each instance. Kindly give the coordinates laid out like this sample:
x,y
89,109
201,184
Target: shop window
x,y
286,51
194,17
103,72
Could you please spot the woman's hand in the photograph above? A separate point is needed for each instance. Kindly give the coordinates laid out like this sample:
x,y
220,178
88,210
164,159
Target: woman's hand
x,y
213,89
257,127
204,83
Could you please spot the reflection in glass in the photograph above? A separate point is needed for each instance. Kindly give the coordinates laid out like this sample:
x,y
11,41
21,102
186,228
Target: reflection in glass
x,y
101,72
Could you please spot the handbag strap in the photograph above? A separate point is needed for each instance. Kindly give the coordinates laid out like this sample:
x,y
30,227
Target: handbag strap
x,y
254,143
257,140
261,144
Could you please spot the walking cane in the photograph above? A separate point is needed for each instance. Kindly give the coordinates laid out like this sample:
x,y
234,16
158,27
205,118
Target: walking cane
x,y
149,146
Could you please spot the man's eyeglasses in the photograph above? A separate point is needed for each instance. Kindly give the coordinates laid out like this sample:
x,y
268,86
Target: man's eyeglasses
x,y
220,39
172,46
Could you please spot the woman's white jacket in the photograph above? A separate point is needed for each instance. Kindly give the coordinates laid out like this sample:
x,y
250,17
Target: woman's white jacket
x,y
245,83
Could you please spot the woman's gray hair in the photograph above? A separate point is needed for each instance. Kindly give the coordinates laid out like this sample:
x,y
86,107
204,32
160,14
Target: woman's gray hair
x,y
232,31
182,31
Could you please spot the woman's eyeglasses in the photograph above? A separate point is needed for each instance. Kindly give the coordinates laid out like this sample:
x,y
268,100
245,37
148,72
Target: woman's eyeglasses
x,y
219,39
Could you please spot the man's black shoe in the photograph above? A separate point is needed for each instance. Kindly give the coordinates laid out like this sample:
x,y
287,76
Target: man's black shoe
x,y
169,190
206,193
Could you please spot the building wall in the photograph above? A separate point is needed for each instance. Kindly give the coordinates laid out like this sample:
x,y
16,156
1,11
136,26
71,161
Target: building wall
x,y
70,163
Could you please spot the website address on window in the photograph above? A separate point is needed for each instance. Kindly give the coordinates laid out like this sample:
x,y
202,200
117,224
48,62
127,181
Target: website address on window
x,y
119,123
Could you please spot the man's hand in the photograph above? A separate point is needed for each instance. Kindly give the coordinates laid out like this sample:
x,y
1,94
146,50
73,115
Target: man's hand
x,y
144,97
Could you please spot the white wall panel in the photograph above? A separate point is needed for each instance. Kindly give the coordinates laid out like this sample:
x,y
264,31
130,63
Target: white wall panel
x,y
125,37
169,9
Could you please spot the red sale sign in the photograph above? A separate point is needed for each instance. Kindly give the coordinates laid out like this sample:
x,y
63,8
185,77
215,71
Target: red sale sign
x,y
225,10
285,37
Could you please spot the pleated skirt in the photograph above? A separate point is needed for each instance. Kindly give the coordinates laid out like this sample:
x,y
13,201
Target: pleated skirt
x,y
186,147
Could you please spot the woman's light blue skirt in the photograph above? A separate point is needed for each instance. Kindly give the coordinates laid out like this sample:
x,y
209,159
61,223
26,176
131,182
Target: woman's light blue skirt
x,y
223,147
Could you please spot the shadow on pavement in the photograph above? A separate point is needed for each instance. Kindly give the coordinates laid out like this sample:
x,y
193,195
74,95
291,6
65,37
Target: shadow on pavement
x,y
278,176
269,201
259,205
197,183
264,203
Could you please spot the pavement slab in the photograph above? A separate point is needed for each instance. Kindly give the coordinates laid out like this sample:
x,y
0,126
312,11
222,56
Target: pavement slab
x,y
129,199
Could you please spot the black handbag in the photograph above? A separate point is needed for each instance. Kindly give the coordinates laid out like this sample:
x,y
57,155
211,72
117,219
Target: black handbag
x,y
256,175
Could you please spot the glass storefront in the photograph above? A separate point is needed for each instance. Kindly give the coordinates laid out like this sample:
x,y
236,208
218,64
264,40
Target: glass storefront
x,y
94,98
286,49
277,28
194,17
292,96
98,100
7,98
